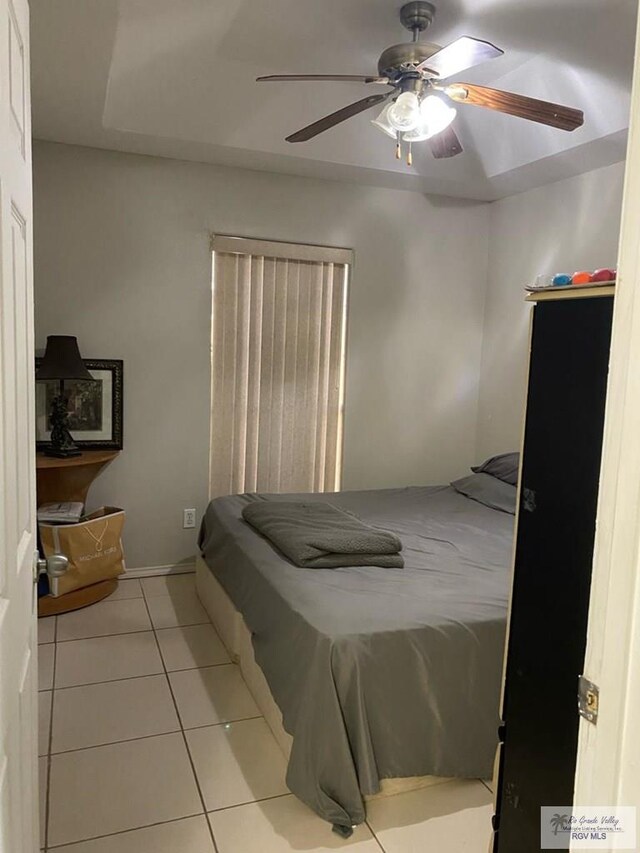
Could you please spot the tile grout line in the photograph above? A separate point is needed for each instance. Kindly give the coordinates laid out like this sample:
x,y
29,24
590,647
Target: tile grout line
x,y
251,802
127,633
146,675
182,731
374,836
133,677
150,630
45,840
122,832
155,734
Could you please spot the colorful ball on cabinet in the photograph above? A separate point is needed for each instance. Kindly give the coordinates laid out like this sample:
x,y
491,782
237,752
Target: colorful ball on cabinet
x,y
582,277
604,275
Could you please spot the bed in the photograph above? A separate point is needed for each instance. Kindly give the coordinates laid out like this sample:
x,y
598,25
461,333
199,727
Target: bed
x,y
377,674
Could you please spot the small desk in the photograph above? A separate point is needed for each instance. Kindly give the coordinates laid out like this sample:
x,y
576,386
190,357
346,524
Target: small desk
x,y
69,480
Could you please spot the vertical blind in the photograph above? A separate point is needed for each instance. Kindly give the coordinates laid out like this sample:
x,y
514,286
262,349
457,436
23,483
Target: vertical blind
x,y
278,354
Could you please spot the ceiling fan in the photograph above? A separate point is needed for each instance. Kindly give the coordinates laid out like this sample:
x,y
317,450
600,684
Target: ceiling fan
x,y
419,102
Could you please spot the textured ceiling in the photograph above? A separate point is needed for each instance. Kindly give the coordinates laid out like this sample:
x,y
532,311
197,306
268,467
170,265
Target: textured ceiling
x,y
176,78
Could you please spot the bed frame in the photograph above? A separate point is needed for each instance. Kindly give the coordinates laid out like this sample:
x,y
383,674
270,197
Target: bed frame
x,y
236,637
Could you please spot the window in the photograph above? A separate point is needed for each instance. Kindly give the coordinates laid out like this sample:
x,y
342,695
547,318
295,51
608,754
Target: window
x,y
278,358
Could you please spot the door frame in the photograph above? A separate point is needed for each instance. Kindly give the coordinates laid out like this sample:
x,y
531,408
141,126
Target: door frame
x,y
608,769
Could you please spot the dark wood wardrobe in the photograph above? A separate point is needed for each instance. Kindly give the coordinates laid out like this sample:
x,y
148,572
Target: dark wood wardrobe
x,y
561,453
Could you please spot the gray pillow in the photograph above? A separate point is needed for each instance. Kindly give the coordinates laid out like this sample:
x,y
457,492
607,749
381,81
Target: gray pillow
x,y
489,491
504,467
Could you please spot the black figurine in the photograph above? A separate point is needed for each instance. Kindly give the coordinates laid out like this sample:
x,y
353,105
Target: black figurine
x,y
61,438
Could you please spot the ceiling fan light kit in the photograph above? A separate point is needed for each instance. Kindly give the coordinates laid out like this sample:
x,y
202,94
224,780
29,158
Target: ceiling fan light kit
x,y
417,121
418,104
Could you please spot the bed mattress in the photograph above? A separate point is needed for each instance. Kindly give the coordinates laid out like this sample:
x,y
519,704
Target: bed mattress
x,y
378,673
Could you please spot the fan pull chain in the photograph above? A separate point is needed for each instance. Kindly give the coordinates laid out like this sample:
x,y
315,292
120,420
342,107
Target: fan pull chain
x,y
399,147
409,156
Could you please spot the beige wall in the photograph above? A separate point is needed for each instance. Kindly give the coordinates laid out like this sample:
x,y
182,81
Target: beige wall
x,y
573,224
122,260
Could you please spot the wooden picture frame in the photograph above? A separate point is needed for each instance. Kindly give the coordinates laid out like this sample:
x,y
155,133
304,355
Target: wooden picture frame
x,y
95,419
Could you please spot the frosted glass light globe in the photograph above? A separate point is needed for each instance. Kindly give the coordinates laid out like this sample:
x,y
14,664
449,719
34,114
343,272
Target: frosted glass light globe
x,y
436,115
382,122
404,114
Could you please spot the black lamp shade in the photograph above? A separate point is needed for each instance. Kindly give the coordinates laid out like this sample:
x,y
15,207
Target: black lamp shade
x,y
62,360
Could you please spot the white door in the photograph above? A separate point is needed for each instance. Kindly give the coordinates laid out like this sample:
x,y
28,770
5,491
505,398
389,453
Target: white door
x,y
18,644
608,771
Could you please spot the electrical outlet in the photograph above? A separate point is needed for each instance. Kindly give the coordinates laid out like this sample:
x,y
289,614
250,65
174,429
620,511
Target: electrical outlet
x,y
188,518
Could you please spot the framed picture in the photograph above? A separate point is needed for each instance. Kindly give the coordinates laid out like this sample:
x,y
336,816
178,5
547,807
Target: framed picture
x,y
95,408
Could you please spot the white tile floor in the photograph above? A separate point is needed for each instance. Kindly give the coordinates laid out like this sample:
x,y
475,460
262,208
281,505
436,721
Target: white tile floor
x,y
150,742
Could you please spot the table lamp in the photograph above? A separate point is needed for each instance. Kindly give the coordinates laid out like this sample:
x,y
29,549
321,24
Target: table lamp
x,y
62,361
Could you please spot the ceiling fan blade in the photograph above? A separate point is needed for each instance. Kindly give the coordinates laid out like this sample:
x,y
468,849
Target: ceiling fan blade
x,y
461,54
445,144
544,112
335,118
314,78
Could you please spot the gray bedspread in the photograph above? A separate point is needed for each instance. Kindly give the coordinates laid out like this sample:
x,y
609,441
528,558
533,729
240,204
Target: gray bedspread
x,y
317,535
378,672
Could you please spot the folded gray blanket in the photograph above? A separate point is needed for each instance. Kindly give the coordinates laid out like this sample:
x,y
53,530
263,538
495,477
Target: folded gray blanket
x,y
321,536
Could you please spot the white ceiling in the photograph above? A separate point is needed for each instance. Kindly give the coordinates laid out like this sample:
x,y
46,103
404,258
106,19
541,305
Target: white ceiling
x,y
177,78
